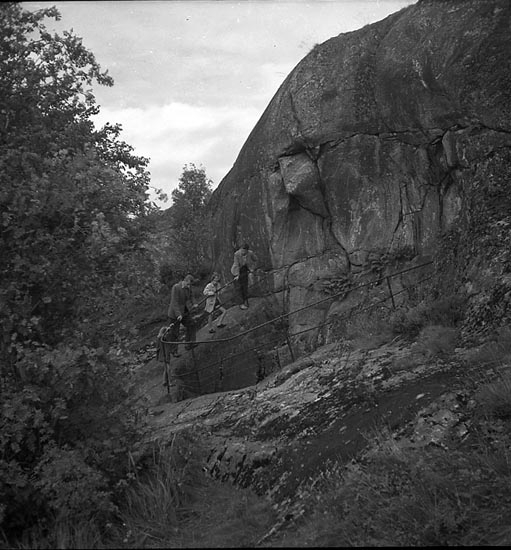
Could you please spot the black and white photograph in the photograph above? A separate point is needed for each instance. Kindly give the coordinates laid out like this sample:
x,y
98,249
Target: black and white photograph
x,y
255,273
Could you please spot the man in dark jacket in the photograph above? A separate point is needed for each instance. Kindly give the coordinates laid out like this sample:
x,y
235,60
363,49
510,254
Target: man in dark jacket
x,y
243,264
179,312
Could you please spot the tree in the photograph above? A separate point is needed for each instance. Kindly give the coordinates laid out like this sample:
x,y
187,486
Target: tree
x,y
73,205
191,195
70,196
189,233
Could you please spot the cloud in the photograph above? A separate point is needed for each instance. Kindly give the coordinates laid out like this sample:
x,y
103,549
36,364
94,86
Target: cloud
x,y
193,78
176,134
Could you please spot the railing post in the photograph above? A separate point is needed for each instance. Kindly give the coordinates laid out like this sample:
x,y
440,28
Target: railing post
x,y
288,340
278,358
390,291
260,370
197,379
221,375
167,377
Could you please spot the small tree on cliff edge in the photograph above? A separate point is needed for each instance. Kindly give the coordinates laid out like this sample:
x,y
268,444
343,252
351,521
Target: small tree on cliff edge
x,y
189,234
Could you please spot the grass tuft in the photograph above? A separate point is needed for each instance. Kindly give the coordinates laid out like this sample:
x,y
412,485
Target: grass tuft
x,y
494,398
409,321
369,330
175,504
436,341
156,503
496,351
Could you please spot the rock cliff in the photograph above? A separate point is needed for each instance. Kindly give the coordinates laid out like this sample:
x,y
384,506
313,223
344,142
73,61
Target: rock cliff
x,y
379,141
383,148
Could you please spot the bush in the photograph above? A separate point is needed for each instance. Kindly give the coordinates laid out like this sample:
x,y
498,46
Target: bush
x,y
369,329
496,351
167,276
65,437
71,488
494,398
436,341
409,321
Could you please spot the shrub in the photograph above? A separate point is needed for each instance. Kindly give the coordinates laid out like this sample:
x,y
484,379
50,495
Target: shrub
x,y
368,329
494,398
495,351
436,340
71,488
167,276
65,436
409,321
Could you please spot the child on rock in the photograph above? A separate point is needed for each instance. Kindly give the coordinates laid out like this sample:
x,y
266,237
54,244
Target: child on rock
x,y
211,291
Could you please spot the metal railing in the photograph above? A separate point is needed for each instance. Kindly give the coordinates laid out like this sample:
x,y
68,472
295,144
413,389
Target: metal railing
x,y
217,367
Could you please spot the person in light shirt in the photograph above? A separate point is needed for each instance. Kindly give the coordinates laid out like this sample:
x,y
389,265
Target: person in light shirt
x,y
212,291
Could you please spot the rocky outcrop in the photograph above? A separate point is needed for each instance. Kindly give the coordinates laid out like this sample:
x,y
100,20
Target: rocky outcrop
x,y
370,145
277,436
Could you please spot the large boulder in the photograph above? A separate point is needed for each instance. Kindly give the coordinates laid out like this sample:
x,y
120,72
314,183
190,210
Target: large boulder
x,y
369,144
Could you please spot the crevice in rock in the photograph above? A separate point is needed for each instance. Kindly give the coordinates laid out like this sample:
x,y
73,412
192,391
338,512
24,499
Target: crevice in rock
x,y
400,218
239,468
299,143
394,135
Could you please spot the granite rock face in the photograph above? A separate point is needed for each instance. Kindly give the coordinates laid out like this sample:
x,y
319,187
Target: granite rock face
x,y
368,146
278,435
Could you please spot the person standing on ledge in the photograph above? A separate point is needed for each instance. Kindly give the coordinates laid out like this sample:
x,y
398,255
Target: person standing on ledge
x,y
213,303
244,263
179,312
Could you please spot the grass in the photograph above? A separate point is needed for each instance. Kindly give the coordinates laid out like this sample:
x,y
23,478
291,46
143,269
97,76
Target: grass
x,y
432,323
496,351
175,504
401,495
64,534
406,497
368,330
409,321
436,341
172,503
225,516
494,398
153,504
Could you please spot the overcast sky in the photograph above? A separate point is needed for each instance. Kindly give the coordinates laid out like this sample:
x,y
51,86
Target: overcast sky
x,y
193,77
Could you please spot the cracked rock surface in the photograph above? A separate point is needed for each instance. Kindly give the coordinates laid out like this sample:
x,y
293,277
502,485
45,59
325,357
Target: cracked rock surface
x,y
276,435
370,144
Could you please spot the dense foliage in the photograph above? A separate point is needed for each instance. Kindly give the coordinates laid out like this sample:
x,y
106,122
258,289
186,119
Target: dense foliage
x,y
73,206
69,193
